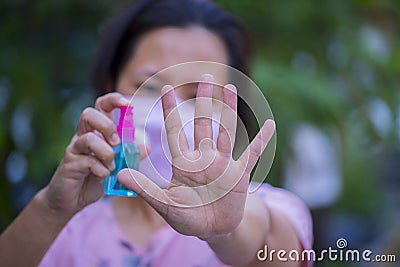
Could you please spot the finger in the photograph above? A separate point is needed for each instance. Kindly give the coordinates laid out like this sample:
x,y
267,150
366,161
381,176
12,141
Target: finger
x,y
176,136
86,165
144,187
203,113
109,102
94,189
90,143
254,150
144,151
96,179
96,167
228,121
92,119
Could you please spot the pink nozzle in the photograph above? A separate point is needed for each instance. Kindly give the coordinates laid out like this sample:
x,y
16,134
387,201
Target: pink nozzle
x,y
126,127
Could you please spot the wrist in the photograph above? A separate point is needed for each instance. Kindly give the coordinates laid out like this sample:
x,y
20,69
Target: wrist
x,y
240,246
55,216
218,238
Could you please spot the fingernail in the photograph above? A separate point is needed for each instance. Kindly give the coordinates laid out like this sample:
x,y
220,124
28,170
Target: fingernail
x,y
114,139
111,166
207,77
166,89
124,101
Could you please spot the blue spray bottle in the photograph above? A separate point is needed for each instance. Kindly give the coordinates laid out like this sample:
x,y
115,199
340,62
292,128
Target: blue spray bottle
x,y
126,154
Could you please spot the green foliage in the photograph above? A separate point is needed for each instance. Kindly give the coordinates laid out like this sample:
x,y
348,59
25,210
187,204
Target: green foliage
x,y
325,63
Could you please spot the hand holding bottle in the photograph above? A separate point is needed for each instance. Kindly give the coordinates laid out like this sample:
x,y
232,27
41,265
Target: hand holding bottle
x,y
87,161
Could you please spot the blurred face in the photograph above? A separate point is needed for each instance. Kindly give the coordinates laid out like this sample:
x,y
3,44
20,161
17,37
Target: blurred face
x,y
165,47
155,51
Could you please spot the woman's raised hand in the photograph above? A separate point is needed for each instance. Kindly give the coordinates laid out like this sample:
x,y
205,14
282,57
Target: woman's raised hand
x,y
208,189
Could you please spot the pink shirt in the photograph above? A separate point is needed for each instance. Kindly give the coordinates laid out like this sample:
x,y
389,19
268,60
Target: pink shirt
x,y
92,238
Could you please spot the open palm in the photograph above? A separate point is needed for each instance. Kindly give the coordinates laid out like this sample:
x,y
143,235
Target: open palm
x,y
208,189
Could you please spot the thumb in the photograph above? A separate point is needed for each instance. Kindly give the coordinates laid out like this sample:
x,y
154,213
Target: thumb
x,y
145,188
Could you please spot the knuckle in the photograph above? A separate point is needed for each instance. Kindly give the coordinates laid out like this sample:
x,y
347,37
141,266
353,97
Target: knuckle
x,y
243,163
91,162
68,150
87,141
98,101
255,152
106,156
173,128
203,121
68,153
86,113
88,137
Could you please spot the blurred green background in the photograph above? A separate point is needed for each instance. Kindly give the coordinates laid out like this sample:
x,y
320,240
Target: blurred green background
x,y
330,71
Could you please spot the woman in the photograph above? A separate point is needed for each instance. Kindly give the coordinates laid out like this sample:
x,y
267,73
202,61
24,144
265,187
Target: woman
x,y
145,38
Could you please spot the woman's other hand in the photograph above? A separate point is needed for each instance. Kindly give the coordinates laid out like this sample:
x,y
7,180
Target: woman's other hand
x,y
207,194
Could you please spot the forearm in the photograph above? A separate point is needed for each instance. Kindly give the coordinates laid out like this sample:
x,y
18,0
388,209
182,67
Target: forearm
x,y
260,226
30,235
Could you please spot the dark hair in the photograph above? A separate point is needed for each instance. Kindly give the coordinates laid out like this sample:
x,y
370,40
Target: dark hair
x,y
124,30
